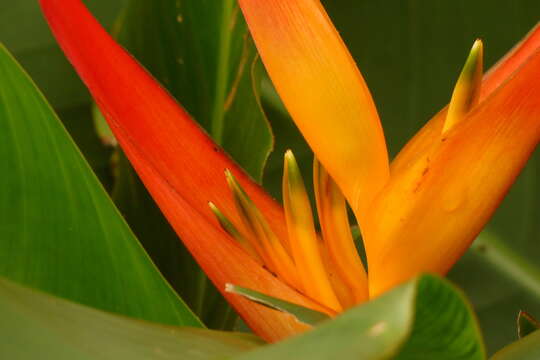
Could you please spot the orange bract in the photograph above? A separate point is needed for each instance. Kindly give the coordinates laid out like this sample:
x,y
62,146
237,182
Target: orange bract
x,y
433,209
424,214
324,92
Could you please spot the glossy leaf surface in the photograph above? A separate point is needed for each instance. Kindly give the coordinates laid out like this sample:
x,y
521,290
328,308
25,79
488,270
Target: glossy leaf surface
x,y
39,326
59,230
24,32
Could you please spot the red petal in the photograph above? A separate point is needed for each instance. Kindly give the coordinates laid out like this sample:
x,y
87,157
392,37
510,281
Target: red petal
x,y
178,162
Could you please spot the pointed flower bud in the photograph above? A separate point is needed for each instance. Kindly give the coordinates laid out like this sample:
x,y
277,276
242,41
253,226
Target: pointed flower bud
x,y
303,238
262,237
467,90
431,211
336,231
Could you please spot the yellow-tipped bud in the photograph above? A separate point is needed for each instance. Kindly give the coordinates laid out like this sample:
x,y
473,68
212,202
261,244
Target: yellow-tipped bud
x,y
336,230
431,211
225,223
230,229
303,238
261,236
467,90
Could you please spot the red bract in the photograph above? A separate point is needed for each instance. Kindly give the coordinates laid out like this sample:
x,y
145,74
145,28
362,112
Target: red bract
x,y
178,163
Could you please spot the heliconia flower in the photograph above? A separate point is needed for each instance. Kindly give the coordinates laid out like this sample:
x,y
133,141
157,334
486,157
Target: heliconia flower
x,y
447,181
417,214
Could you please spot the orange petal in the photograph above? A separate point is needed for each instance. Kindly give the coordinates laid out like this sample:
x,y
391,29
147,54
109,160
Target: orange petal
x,y
304,242
430,212
337,235
180,165
324,92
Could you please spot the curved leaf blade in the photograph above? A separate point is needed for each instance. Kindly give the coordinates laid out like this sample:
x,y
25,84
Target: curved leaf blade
x,y
59,230
39,326
301,313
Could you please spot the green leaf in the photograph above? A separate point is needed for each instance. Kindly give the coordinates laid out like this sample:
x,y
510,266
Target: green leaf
x,y
301,313
426,318
24,31
527,348
59,230
526,324
39,326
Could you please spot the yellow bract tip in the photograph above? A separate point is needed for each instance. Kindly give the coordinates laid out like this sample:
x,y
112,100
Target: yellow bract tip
x,y
303,238
294,177
230,229
261,236
467,90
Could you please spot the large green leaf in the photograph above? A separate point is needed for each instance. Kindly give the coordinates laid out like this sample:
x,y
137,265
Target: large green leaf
x,y
426,318
59,231
24,31
38,326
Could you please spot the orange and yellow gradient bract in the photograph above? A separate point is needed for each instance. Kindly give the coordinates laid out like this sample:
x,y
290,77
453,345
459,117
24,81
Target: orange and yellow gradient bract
x,y
423,212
